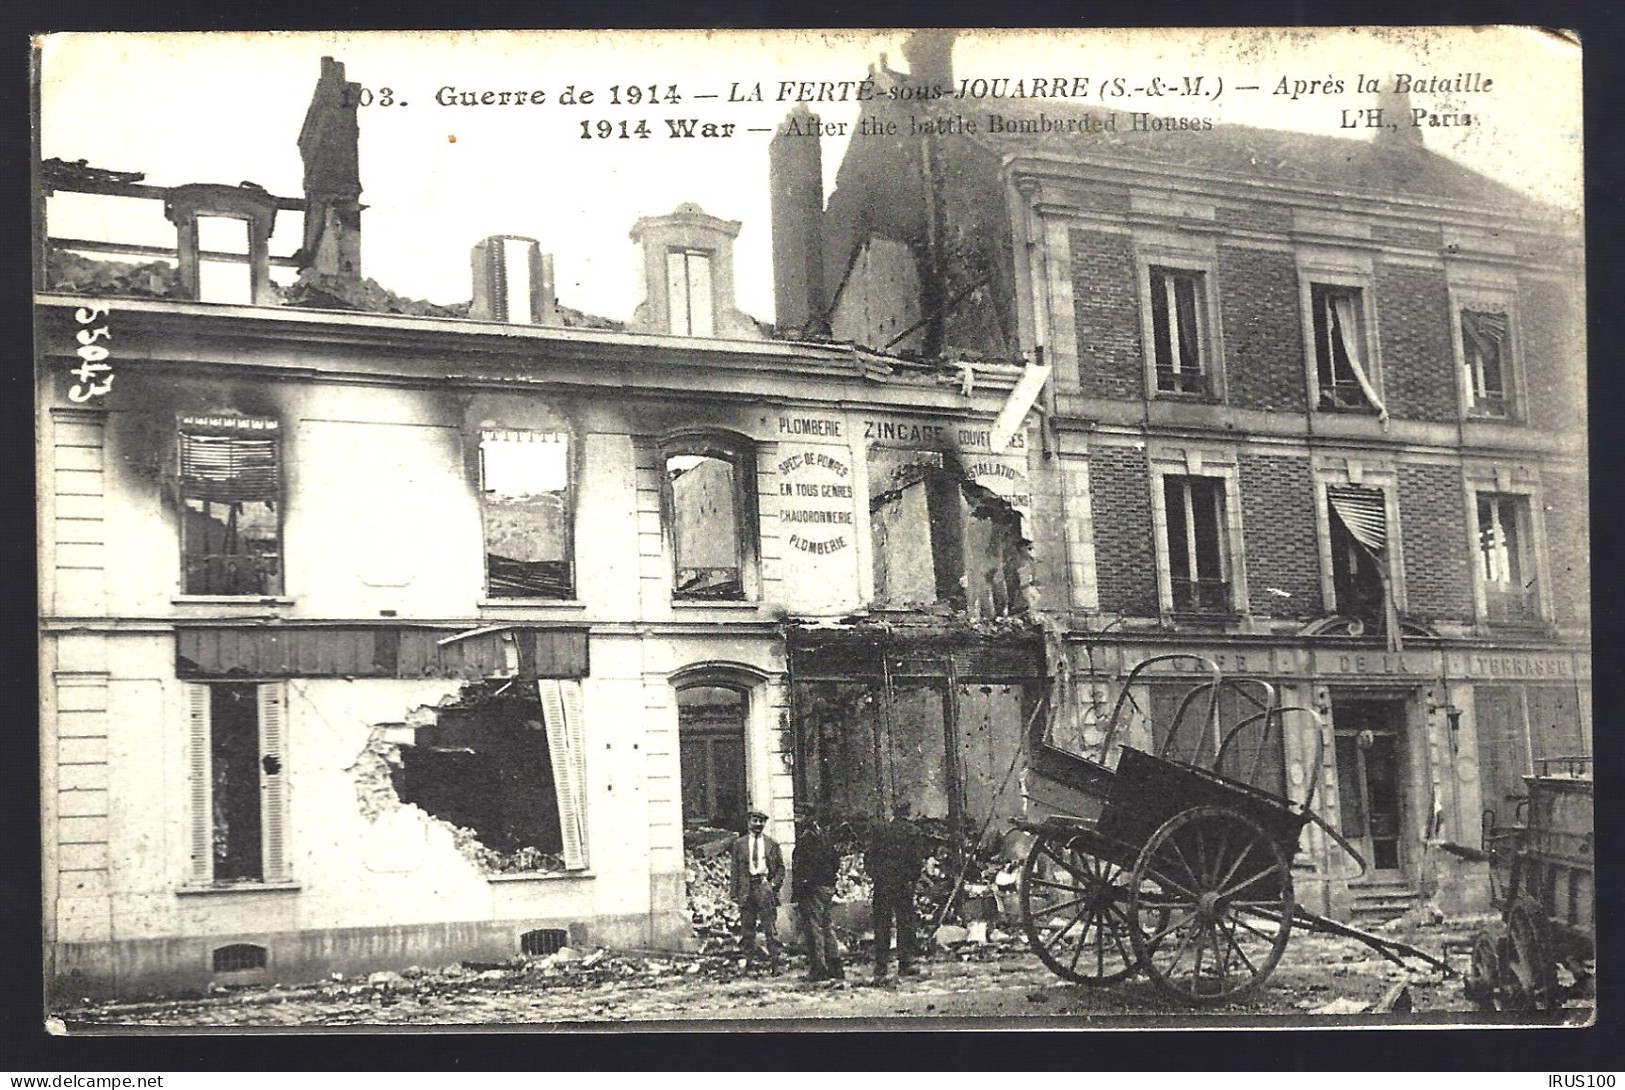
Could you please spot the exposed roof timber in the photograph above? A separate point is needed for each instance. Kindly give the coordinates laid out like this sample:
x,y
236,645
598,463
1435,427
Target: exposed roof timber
x,y
141,190
91,246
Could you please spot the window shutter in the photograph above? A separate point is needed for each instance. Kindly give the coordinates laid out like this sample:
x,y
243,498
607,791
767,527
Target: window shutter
x,y
230,468
1364,513
202,816
497,273
564,773
273,781
576,729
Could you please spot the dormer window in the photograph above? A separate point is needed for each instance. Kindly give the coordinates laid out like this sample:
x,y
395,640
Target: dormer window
x,y
224,274
688,283
222,242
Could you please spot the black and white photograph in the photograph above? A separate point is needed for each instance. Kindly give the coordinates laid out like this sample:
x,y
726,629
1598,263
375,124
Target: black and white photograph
x,y
811,530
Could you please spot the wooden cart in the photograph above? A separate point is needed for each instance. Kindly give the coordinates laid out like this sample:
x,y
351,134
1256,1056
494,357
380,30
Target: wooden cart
x,y
1180,868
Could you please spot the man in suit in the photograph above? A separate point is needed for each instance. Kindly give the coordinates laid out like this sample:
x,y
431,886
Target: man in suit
x,y
812,887
758,874
896,854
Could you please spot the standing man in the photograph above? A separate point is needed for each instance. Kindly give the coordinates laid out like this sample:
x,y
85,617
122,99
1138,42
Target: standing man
x,y
812,887
896,854
758,873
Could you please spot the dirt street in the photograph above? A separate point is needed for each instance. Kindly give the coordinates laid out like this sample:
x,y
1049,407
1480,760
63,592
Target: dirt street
x,y
1319,978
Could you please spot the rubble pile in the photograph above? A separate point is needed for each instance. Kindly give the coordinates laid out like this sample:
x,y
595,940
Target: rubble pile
x,y
522,860
708,876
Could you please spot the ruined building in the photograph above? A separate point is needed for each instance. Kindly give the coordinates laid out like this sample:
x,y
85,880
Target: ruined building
x,y
379,633
1315,411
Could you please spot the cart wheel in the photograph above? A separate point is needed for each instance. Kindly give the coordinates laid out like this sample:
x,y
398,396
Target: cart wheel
x,y
1074,910
1211,906
1528,977
1482,972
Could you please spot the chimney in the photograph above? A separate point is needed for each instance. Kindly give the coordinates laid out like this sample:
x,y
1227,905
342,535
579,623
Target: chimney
x,y
688,276
930,57
329,143
513,281
796,189
1396,111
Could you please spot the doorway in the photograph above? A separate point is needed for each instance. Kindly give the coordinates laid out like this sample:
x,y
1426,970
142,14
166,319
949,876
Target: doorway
x,y
711,746
1370,735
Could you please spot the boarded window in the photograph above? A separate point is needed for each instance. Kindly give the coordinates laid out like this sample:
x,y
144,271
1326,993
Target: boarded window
x,y
1485,358
709,506
711,743
992,717
526,508
916,753
1177,331
231,498
1503,750
1196,531
1554,725
1256,755
238,783
838,736
689,295
506,767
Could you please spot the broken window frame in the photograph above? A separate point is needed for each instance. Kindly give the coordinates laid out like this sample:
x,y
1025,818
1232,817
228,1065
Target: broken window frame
x,y
740,454
208,832
1507,570
1178,344
1344,371
563,570
1371,543
1488,391
689,269
244,467
229,278
1188,592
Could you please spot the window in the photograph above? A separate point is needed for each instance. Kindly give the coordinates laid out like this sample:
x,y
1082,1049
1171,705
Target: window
x,y
525,502
1486,362
688,281
230,492
1342,368
711,743
238,784
228,277
506,767
710,508
1178,331
1196,539
1506,566
1357,519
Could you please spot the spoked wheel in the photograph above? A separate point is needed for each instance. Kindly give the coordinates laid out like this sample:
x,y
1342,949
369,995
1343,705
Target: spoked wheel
x,y
1074,907
1528,977
1211,906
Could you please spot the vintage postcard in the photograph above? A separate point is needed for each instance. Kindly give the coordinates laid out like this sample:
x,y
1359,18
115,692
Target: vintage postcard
x,y
899,527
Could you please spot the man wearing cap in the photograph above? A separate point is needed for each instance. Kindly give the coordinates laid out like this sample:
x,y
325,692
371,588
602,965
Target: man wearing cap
x,y
758,873
896,854
812,886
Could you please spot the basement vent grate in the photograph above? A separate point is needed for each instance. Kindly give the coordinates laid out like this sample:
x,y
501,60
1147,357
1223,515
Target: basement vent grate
x,y
544,940
239,956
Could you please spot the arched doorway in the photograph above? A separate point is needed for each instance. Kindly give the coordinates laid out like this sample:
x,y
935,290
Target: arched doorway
x,y
711,744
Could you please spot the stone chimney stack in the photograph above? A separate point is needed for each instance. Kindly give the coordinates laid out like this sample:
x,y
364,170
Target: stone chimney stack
x,y
930,57
796,189
1396,111
329,143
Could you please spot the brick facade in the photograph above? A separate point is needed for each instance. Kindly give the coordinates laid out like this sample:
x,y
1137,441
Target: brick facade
x,y
1568,512
1106,309
1430,239
1418,359
1263,330
1254,217
1283,551
1433,518
1125,562
1553,354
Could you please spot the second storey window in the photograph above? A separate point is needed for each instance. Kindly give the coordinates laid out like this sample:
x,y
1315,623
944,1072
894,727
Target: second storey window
x,y
1177,331
709,509
688,282
1198,567
1358,525
231,503
1506,564
1342,369
1485,362
525,502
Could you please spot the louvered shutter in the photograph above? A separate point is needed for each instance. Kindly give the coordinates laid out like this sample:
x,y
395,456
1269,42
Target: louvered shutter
x,y
198,763
497,269
230,468
564,773
576,730
273,781
1364,513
